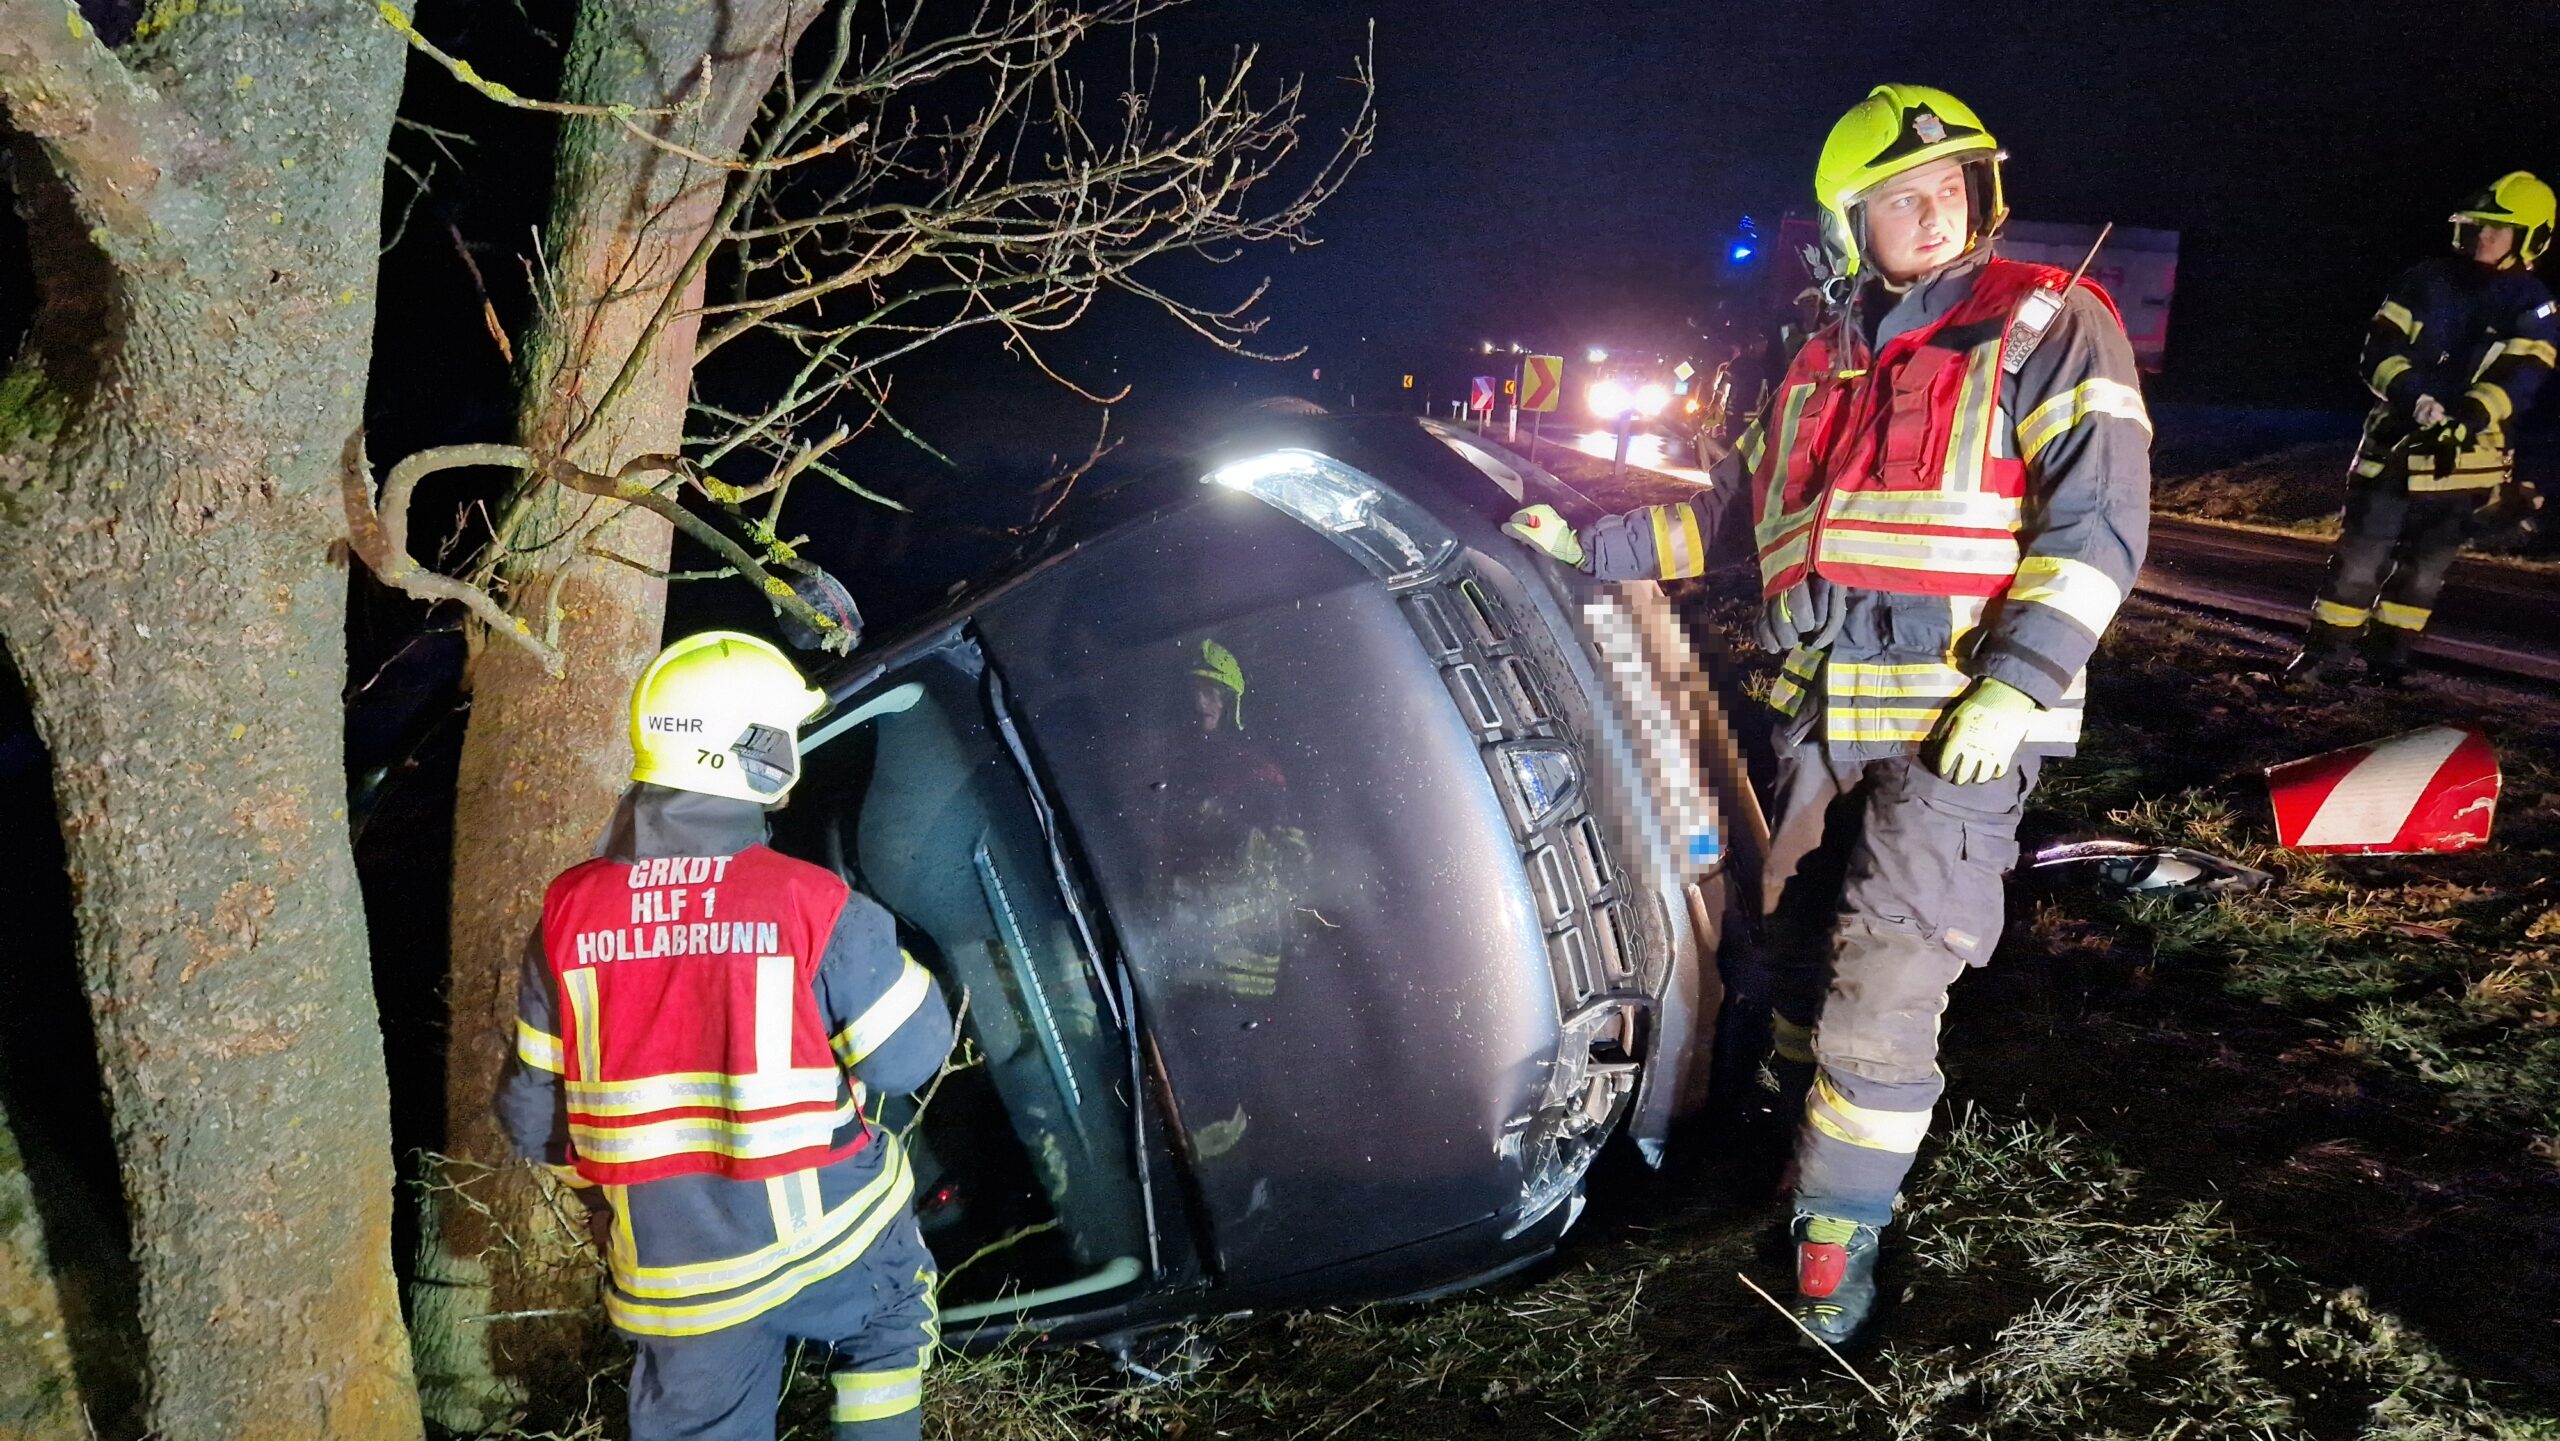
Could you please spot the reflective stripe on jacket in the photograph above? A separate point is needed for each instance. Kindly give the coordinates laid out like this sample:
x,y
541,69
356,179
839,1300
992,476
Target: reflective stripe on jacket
x,y
692,1040
2025,546
2482,342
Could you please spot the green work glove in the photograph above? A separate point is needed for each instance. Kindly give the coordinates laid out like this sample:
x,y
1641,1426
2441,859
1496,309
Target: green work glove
x,y
1982,732
1540,526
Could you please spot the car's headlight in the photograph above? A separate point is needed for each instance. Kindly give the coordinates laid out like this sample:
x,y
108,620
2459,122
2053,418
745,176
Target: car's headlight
x,y
1297,481
1390,535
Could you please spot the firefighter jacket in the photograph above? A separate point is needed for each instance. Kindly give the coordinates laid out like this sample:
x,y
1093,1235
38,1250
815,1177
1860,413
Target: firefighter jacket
x,y
698,1022
2480,341
1927,510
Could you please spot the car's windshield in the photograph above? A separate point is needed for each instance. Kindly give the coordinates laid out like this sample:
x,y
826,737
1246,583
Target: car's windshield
x,y
1023,1157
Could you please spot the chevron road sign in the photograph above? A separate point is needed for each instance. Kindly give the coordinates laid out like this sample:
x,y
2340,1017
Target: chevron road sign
x,y
1541,382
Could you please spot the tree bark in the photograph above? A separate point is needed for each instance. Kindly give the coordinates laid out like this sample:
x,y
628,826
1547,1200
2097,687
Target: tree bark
x,y
170,447
544,759
186,679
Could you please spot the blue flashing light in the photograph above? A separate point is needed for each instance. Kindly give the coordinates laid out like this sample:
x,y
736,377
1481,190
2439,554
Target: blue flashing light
x,y
1742,253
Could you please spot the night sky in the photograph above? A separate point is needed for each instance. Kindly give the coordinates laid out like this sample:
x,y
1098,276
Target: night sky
x,y
1559,174
1542,166
1556,174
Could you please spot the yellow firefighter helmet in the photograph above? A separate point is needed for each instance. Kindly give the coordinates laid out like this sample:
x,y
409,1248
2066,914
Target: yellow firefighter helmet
x,y
720,713
2515,198
1898,128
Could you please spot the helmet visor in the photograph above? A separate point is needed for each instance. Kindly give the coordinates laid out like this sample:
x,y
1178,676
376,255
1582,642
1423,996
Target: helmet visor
x,y
768,758
2467,230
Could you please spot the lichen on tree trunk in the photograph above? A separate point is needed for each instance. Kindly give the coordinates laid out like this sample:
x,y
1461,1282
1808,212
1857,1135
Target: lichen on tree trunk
x,y
544,758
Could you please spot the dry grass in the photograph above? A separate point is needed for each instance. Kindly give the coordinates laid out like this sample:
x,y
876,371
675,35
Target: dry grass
x,y
2445,968
2299,488
2089,1310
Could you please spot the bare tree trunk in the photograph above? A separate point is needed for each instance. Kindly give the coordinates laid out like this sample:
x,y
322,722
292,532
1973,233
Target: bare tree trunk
x,y
545,758
201,210
185,668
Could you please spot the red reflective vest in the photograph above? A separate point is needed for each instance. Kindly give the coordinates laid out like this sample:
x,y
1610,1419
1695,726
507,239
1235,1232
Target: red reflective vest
x,y
1895,477
690,1035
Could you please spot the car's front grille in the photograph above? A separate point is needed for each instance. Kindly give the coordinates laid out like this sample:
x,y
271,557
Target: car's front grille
x,y
1475,698
1526,692
1514,692
1514,679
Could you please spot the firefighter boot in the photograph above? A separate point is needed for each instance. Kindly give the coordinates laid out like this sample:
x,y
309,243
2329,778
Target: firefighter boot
x,y
1835,1276
2386,658
2316,665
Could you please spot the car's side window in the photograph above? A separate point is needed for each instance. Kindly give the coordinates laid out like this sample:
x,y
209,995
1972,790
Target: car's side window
x,y
1025,1174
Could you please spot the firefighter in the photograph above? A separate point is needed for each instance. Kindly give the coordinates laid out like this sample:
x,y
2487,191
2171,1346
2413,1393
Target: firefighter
x,y
1948,496
701,1021
2456,352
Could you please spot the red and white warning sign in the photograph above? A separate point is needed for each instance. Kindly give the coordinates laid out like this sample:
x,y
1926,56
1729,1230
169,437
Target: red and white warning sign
x,y
2424,791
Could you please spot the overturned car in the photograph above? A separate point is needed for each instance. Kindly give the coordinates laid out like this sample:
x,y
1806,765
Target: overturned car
x,y
1323,879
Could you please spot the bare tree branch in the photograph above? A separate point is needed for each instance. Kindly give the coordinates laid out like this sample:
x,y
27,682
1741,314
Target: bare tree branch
x,y
1064,482
903,187
628,116
654,572
379,534
623,487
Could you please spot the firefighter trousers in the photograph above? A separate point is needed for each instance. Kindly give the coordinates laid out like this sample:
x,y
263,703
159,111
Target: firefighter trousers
x,y
724,1385
2390,562
1884,883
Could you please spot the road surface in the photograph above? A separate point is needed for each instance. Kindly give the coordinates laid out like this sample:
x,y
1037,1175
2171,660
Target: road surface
x,y
2490,617
1644,452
